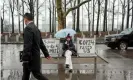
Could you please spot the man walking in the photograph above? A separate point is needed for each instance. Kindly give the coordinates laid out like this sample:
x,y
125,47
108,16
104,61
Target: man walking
x,y
31,53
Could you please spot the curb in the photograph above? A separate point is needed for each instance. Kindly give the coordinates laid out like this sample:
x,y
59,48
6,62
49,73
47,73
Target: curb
x,y
22,43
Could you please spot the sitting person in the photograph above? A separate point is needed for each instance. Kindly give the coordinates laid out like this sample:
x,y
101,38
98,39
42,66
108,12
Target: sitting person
x,y
69,50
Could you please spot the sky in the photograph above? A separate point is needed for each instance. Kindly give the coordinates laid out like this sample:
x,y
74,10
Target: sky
x,y
44,16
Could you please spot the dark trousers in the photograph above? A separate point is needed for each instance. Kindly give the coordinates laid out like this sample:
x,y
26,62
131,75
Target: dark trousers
x,y
36,73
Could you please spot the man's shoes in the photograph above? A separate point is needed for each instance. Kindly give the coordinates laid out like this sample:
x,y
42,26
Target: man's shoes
x,y
70,71
67,65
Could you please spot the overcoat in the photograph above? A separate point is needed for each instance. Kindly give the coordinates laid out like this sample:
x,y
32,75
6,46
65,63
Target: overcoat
x,y
32,45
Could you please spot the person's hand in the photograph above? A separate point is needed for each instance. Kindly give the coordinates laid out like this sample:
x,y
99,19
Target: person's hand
x,y
49,57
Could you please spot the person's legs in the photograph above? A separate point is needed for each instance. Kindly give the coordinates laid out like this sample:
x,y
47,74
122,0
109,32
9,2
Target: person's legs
x,y
68,54
26,72
38,75
70,62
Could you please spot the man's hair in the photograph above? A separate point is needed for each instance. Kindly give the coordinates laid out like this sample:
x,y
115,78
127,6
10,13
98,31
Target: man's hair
x,y
29,16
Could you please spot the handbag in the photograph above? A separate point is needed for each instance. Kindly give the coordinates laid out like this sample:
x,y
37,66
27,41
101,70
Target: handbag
x,y
20,55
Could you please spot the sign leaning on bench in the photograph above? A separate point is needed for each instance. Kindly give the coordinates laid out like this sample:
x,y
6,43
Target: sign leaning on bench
x,y
52,46
86,47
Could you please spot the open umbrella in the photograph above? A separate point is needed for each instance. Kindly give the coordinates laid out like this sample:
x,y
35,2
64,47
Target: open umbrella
x,y
63,33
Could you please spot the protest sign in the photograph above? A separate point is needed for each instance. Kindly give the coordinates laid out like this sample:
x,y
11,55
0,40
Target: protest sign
x,y
52,46
86,46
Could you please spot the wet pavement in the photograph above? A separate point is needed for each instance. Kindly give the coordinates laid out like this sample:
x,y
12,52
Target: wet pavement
x,y
120,66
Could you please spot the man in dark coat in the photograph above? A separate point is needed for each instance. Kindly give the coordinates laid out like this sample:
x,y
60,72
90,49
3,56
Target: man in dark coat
x,y
31,53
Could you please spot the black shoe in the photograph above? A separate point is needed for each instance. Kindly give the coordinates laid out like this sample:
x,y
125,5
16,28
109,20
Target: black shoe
x,y
67,65
70,71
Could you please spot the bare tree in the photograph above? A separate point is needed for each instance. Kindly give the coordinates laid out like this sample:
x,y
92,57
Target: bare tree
x,y
132,16
97,28
23,12
37,12
113,15
2,25
18,10
78,18
12,7
93,21
53,16
62,15
128,10
105,16
50,12
73,14
2,19
123,13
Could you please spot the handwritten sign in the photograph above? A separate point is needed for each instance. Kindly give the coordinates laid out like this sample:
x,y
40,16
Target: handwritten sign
x,y
52,46
86,46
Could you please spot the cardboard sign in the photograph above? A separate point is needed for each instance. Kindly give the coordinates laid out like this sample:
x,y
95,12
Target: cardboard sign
x,y
52,46
86,46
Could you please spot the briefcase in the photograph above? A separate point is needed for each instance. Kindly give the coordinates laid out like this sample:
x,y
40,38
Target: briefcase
x,y
20,55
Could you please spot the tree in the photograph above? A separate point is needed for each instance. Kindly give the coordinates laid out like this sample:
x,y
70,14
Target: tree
x,y
105,16
98,17
53,16
2,25
73,14
18,9
113,15
132,16
128,10
62,15
93,21
78,18
123,14
50,12
89,21
12,6
2,19
37,10
23,12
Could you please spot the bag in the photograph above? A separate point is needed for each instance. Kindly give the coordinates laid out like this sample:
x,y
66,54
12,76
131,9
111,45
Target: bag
x,y
20,55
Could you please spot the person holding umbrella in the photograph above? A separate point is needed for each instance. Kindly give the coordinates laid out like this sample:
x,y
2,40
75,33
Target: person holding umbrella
x,y
68,51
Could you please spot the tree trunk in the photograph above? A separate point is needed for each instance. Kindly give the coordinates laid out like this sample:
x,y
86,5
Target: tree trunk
x,y
106,23
89,16
113,15
105,16
23,13
37,14
50,27
132,16
60,14
64,11
78,18
123,15
55,20
93,21
18,9
31,5
98,17
12,22
2,20
2,25
128,10
53,16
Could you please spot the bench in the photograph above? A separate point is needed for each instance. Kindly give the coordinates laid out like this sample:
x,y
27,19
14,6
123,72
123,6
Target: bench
x,y
85,49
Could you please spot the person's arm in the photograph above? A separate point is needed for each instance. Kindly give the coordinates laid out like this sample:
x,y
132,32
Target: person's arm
x,y
43,48
28,38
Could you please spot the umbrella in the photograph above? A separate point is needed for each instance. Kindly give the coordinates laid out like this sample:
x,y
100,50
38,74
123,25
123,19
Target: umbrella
x,y
63,33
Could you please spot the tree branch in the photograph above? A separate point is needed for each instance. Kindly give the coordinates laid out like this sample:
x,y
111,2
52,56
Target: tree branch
x,y
41,5
73,8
